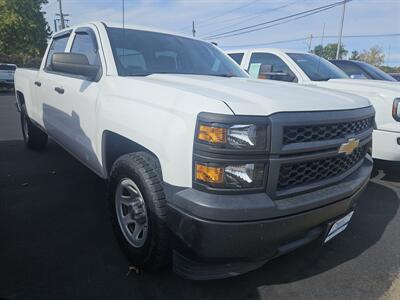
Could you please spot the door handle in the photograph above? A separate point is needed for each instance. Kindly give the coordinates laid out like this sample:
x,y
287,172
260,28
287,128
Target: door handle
x,y
38,83
59,90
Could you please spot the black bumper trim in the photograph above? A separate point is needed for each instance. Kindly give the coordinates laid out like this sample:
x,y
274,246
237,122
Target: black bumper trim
x,y
214,250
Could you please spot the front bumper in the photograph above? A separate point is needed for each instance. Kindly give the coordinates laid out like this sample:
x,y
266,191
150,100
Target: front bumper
x,y
219,236
385,145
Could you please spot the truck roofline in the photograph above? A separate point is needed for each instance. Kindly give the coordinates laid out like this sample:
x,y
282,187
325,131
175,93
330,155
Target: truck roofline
x,y
127,26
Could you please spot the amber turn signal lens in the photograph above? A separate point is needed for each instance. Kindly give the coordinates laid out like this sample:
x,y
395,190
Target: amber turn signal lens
x,y
215,135
209,174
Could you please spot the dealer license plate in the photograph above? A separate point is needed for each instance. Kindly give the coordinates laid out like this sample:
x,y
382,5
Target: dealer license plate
x,y
338,226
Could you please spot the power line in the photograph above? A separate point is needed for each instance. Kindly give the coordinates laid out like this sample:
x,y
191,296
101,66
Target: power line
x,y
276,24
316,36
220,15
299,15
249,17
228,12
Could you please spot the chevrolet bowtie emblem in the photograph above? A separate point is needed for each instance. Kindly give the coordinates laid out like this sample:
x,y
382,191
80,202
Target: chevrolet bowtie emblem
x,y
349,147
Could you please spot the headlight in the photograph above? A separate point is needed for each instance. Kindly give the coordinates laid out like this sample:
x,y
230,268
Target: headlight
x,y
396,109
237,136
230,153
230,176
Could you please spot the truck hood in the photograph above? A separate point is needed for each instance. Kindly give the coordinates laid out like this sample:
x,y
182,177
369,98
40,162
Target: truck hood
x,y
246,96
363,87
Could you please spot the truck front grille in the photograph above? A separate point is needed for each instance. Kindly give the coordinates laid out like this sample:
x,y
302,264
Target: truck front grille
x,y
321,132
306,172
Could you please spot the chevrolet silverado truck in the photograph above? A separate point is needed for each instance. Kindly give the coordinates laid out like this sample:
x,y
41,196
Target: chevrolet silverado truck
x,y
309,69
207,168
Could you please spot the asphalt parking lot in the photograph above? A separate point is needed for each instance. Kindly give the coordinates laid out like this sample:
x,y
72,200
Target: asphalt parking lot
x,y
57,243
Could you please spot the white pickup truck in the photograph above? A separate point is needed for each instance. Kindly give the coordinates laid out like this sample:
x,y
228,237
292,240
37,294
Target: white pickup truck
x,y
309,69
206,166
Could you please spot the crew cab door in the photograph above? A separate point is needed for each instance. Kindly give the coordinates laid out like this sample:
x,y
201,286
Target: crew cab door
x,y
70,112
44,84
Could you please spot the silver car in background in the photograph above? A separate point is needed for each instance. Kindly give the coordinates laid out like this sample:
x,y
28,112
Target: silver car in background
x,y
7,72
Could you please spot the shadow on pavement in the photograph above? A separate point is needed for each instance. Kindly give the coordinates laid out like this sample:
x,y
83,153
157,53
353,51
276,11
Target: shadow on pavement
x,y
390,169
57,242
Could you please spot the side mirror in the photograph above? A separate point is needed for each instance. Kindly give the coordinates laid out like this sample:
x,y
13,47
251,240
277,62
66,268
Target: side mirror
x,y
266,71
75,64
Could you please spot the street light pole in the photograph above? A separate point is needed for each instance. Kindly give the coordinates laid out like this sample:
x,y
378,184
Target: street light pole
x,y
339,44
61,15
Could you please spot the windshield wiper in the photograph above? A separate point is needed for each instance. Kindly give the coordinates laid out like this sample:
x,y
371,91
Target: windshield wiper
x,y
138,75
176,73
222,75
323,79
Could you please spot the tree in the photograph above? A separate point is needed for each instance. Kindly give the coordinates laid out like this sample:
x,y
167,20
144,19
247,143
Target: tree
x,y
23,29
373,56
355,55
329,51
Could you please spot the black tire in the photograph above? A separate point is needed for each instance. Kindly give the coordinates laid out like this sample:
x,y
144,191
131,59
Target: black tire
x,y
34,137
144,170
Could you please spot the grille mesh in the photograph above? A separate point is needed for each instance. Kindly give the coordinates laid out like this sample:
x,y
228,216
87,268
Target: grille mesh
x,y
313,133
292,175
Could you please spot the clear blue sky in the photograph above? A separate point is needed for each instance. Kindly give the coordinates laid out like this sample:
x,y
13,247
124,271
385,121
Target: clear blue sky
x,y
362,17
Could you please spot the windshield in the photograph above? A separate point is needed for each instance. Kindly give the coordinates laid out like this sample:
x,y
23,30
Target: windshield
x,y
8,67
317,68
375,72
141,53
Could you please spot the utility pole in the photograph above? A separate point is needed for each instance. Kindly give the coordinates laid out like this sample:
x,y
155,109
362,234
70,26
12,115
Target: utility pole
x,y
309,43
339,44
193,29
61,15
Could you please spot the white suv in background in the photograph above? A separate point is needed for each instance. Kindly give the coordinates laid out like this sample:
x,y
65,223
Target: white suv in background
x,y
308,69
7,72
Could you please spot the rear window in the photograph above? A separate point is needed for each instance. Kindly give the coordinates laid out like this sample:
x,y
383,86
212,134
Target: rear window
x,y
8,67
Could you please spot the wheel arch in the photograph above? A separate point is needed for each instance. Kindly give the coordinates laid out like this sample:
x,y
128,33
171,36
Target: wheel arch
x,y
20,98
115,145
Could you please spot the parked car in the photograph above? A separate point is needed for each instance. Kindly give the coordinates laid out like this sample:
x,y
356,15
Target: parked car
x,y
7,75
395,76
361,70
211,168
309,69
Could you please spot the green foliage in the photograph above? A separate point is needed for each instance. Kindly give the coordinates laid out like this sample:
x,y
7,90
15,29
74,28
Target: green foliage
x,y
329,51
23,30
373,56
355,55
